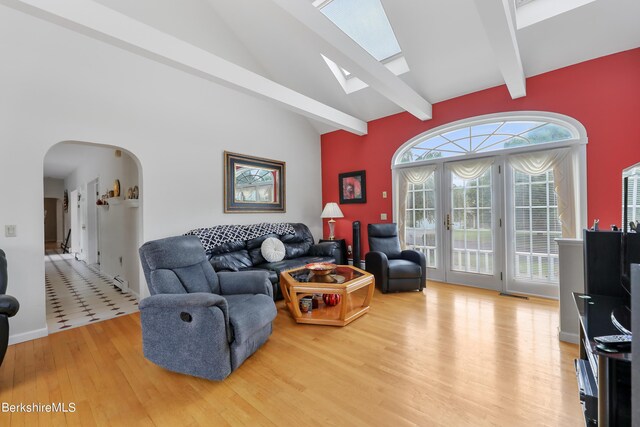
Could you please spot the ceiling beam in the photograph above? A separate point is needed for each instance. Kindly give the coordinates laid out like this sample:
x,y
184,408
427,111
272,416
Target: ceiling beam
x,y
498,20
342,49
101,23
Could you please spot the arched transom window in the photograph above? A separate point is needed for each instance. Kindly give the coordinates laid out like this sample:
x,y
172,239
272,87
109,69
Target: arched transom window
x,y
484,136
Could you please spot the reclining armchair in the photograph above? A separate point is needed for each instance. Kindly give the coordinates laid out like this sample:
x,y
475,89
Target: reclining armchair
x,y
196,321
9,306
395,270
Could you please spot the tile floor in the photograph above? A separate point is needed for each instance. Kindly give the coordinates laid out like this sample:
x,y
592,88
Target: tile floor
x,y
78,294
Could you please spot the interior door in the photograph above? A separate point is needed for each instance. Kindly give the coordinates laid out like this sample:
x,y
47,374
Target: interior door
x,y
473,238
74,210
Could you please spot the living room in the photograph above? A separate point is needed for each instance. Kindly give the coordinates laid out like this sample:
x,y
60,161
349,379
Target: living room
x,y
176,89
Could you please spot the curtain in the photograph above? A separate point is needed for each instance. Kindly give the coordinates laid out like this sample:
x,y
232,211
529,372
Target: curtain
x,y
406,176
471,169
561,162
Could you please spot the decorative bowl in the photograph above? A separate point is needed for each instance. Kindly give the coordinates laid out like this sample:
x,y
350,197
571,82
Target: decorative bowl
x,y
320,268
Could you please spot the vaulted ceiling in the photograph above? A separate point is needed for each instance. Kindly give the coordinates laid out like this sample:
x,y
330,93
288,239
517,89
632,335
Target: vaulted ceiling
x,y
451,47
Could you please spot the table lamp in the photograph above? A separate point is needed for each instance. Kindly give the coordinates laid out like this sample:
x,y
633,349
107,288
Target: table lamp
x,y
332,210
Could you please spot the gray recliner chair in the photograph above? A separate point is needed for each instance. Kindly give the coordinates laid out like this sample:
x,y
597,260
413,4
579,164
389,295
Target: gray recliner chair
x,y
196,321
9,306
395,270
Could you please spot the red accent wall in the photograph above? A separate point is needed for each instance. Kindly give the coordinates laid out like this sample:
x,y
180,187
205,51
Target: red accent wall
x,y
603,94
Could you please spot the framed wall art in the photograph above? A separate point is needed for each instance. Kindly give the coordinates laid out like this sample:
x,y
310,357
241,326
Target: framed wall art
x,y
353,187
253,184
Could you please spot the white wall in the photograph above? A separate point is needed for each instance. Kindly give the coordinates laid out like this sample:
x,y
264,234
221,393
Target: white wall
x,y
117,224
64,86
53,188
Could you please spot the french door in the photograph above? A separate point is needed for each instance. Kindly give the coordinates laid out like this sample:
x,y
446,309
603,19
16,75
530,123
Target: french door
x,y
472,232
456,221
494,228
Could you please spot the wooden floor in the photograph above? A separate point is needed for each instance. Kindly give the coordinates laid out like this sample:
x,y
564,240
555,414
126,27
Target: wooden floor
x,y
453,356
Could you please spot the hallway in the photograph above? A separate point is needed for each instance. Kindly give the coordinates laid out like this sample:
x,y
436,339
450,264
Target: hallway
x,y
78,294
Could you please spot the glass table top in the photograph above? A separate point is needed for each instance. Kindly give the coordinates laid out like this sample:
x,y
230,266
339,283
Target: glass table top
x,y
341,274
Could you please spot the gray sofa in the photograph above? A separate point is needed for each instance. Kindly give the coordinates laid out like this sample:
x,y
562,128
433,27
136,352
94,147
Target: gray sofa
x,y
196,321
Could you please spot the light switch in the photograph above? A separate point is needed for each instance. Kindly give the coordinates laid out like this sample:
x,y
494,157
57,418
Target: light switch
x,y
384,194
383,216
10,231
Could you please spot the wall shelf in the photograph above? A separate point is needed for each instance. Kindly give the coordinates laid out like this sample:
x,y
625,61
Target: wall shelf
x,y
132,203
114,200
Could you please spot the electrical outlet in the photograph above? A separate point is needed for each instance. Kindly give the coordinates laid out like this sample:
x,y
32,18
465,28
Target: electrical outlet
x,y
10,231
383,216
384,194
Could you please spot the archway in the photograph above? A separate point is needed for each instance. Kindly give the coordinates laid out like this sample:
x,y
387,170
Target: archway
x,y
100,276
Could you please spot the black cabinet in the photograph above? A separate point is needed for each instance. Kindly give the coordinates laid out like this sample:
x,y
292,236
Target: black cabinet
x,y
604,379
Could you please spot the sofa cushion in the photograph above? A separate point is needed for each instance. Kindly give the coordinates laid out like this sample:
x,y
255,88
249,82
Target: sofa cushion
x,y
272,249
297,250
298,244
228,247
403,269
249,313
231,261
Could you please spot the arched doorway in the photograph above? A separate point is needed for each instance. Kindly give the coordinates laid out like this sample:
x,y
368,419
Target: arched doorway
x,y
99,277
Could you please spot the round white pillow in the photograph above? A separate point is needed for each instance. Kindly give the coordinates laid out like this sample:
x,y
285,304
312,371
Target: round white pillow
x,y
273,249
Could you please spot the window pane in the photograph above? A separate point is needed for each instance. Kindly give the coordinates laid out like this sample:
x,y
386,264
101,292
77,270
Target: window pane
x,y
472,236
421,219
535,226
477,138
366,22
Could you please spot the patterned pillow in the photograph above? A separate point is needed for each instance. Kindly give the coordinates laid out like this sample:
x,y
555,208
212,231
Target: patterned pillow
x,y
273,249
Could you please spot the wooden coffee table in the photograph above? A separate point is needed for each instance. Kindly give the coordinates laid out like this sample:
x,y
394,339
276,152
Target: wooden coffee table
x,y
355,287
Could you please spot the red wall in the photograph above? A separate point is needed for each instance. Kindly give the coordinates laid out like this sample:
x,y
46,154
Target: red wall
x,y
603,94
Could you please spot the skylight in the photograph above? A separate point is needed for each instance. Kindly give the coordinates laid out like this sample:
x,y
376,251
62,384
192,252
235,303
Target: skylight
x,y
365,22
522,2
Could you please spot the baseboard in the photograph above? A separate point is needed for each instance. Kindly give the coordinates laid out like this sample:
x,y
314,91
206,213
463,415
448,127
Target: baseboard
x,y
28,336
569,337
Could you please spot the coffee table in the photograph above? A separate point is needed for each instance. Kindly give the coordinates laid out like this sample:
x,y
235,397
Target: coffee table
x,y
355,287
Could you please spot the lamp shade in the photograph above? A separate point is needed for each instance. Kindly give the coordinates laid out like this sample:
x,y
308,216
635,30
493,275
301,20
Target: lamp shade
x,y
331,210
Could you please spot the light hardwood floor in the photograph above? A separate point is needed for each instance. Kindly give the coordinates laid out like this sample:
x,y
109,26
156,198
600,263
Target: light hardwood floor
x,y
453,356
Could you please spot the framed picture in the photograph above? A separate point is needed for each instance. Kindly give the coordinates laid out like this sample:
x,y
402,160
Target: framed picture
x,y
253,184
353,187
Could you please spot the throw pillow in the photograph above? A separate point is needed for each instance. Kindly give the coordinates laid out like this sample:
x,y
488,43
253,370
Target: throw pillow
x,y
273,249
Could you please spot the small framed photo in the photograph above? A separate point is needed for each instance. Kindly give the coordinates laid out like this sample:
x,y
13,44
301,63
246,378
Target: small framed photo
x,y
353,187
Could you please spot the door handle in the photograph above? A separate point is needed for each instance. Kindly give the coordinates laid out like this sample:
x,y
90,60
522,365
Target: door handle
x,y
448,223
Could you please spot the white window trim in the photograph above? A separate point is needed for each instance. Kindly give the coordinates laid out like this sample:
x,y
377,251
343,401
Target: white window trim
x,y
578,145
350,84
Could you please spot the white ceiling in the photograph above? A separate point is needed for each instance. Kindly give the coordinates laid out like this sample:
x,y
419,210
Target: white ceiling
x,y
445,43
64,158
